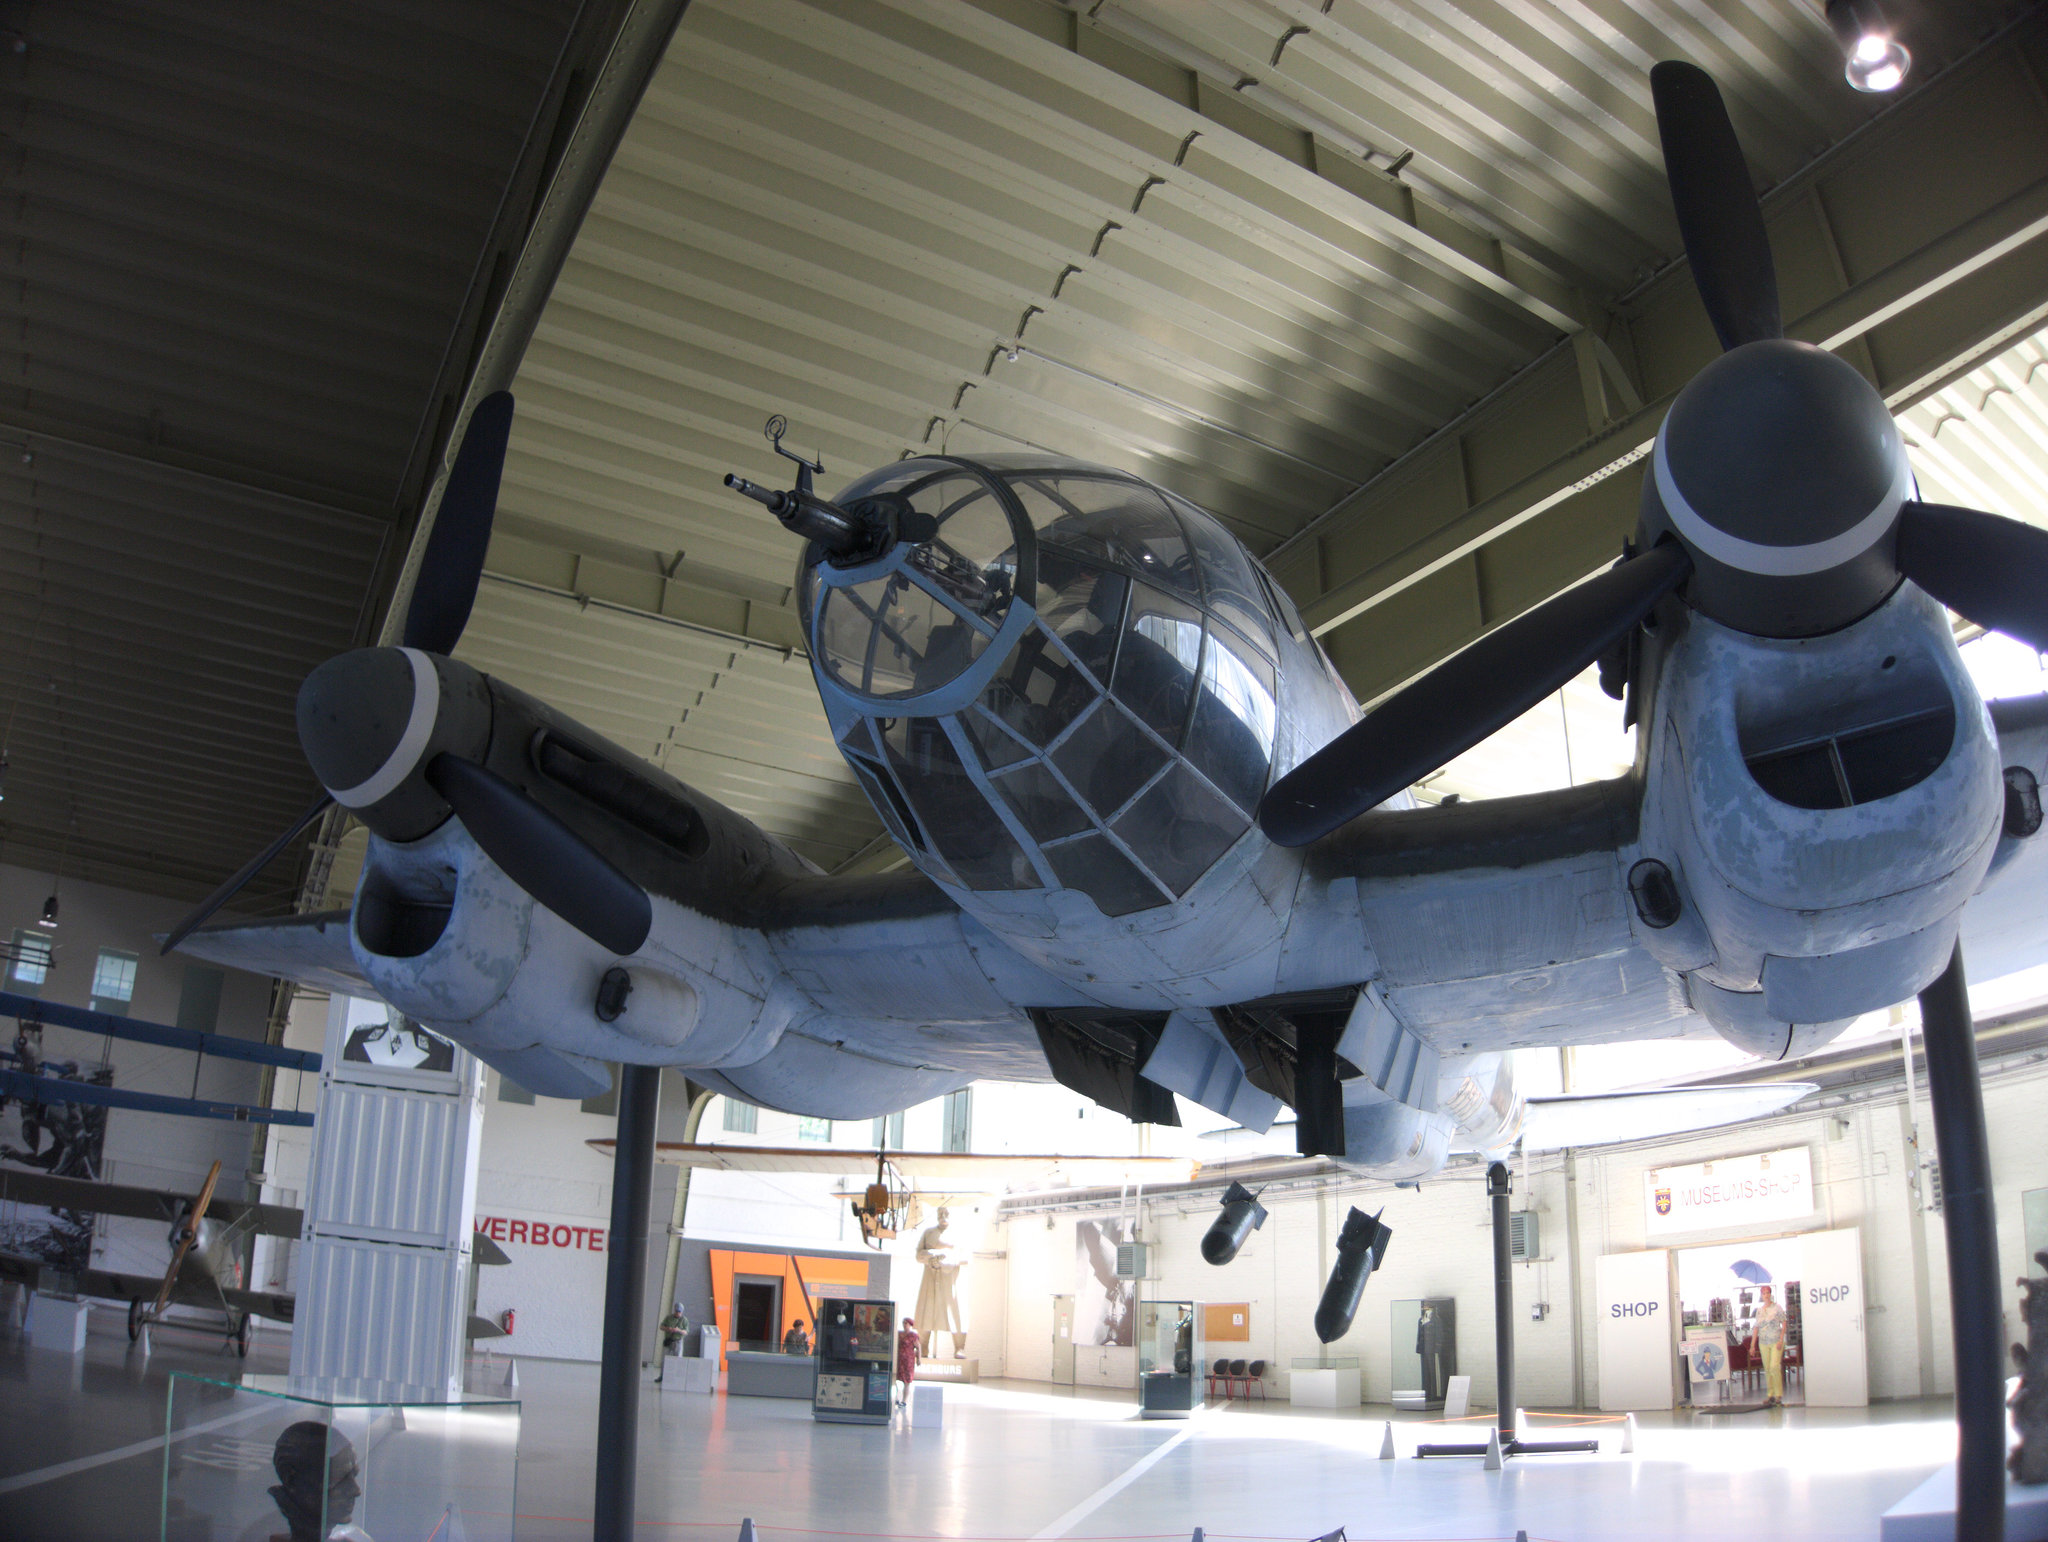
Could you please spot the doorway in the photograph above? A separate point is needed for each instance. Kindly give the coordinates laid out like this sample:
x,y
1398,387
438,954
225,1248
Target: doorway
x,y
1063,1340
756,1312
1720,1289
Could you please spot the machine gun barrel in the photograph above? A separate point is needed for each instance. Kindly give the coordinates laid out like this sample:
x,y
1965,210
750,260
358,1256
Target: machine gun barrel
x,y
806,514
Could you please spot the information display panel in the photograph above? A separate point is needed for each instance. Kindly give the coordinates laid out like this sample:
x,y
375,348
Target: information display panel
x,y
856,1348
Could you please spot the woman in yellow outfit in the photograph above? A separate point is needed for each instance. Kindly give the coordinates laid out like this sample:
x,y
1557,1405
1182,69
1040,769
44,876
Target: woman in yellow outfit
x,y
1770,1338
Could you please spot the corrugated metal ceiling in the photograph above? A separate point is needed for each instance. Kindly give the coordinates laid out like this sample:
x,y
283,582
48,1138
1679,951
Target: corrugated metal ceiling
x,y
240,242
1250,248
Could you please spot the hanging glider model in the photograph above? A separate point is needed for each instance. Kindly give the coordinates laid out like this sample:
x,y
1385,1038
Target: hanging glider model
x,y
1156,849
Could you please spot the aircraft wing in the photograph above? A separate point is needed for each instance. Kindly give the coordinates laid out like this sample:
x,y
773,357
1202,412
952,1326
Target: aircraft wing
x,y
311,949
1606,1118
1504,923
962,1172
188,1291
54,1193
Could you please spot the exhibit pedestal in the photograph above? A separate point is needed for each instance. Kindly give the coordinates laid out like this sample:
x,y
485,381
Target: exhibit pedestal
x,y
1928,1514
1321,1384
949,1370
689,1373
57,1322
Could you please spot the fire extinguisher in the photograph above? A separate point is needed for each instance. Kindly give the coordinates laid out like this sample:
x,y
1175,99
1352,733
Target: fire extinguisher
x,y
505,1319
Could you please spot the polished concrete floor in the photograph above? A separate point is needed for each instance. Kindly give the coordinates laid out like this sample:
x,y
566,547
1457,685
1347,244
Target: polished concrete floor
x,y
81,1456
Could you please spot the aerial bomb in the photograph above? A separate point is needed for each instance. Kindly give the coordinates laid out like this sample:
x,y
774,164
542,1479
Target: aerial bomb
x,y
1242,1215
1361,1246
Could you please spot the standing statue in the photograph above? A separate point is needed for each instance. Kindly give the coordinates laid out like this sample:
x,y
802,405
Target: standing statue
x,y
938,1297
2029,1459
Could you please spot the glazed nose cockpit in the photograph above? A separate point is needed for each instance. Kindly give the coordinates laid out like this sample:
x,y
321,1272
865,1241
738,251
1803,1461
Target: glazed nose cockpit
x,y
1070,684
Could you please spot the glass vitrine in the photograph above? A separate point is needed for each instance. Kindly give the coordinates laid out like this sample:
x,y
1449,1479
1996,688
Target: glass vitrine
x,y
303,1458
1423,1351
1169,1359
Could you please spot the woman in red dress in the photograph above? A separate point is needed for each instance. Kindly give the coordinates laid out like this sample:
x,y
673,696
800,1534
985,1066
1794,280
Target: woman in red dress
x,y
906,1359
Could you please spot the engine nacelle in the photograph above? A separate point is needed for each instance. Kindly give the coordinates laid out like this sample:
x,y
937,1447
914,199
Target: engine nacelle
x,y
446,937
1823,808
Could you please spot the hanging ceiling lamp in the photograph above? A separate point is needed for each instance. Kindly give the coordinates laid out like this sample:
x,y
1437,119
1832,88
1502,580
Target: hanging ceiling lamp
x,y
1875,59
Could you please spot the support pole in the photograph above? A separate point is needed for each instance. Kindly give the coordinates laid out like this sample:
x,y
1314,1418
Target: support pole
x,y
1503,1303
625,1289
1949,1037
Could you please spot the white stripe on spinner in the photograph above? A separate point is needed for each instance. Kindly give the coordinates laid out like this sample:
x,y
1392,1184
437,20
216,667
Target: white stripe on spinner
x,y
1781,561
419,728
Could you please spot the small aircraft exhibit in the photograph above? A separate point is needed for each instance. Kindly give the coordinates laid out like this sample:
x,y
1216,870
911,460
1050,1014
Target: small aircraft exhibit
x,y
1025,770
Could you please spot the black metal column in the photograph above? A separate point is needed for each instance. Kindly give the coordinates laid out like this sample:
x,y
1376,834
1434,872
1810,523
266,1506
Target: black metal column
x,y
625,1289
1971,1222
1503,1302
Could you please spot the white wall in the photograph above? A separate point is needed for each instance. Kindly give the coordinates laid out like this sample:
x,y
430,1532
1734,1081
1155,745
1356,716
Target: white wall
x,y
148,1149
1441,1246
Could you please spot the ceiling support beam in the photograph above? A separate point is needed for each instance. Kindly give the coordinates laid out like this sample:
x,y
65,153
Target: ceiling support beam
x,y
1238,113
1909,248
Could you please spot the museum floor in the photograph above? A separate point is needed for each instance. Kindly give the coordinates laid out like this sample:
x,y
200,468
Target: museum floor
x,y
81,1457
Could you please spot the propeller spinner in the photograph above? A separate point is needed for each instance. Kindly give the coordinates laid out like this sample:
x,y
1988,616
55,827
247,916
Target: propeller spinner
x,y
1779,502
398,735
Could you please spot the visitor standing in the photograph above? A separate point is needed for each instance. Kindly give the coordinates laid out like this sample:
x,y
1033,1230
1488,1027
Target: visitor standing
x,y
1770,1338
906,1359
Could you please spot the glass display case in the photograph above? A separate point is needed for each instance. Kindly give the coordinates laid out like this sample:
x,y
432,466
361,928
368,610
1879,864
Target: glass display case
x,y
1424,1351
1169,1359
855,1353
306,1459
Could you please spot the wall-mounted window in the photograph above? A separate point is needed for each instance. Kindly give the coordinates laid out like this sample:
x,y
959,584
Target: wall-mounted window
x,y
113,982
31,964
887,1133
814,1129
959,1123
740,1118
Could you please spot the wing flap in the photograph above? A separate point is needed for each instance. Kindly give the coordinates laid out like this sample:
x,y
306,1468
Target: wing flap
x,y
1608,1118
311,949
963,1170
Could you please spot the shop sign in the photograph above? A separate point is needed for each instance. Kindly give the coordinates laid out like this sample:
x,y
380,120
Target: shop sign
x,y
1769,1186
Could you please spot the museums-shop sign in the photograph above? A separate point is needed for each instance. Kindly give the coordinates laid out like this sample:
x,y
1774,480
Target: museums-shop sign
x,y
1767,1187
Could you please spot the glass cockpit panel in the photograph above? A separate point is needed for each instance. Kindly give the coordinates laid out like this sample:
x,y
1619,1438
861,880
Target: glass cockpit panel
x,y
1230,588
846,629
1181,826
1231,738
973,557
919,643
1095,867
961,822
1040,690
1159,661
1121,523
1046,808
1084,607
1106,759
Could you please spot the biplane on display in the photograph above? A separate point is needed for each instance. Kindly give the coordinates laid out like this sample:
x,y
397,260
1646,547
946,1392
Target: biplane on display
x,y
207,1233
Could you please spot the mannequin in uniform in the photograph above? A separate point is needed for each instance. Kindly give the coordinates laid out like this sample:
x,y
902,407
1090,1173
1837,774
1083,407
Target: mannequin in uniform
x,y
1429,1343
938,1297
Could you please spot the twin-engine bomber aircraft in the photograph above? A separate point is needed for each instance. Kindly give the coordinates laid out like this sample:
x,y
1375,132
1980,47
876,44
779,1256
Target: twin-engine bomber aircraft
x,y
1157,851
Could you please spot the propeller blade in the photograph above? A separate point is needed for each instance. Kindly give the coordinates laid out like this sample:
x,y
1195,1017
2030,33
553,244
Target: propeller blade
x,y
544,856
163,1296
250,869
445,587
1989,568
1470,695
1716,205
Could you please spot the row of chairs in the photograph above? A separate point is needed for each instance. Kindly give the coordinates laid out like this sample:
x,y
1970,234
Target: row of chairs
x,y
1235,1374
